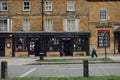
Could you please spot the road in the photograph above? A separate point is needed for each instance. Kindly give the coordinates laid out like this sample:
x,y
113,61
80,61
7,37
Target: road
x,y
61,70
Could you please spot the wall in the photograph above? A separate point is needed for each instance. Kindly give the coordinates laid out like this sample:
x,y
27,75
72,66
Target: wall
x,y
8,50
113,18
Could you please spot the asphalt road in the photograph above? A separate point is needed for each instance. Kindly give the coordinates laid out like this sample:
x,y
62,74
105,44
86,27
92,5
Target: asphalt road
x,y
61,70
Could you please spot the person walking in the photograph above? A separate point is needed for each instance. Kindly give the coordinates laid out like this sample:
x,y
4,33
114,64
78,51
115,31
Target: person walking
x,y
94,51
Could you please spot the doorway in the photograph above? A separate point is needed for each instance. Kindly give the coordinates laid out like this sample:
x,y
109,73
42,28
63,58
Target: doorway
x,y
118,46
34,47
2,47
68,48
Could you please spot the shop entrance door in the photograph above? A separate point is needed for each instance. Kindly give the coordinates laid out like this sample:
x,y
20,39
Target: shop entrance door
x,y
2,47
68,48
34,47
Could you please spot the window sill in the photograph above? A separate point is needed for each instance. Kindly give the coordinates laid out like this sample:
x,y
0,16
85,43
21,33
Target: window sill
x,y
70,11
26,10
103,19
4,10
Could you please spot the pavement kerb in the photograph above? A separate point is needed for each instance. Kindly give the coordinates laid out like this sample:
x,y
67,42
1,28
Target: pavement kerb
x,y
51,63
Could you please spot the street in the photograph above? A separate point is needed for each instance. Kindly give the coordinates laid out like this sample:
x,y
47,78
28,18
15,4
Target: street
x,y
61,70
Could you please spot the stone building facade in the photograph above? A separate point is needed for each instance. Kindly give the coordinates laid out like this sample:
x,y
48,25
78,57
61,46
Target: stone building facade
x,y
59,27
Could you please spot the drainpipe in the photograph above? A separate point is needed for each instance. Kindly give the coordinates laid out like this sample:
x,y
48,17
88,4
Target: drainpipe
x,y
42,15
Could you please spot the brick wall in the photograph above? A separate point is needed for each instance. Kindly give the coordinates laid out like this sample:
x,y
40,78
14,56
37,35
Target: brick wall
x,y
88,13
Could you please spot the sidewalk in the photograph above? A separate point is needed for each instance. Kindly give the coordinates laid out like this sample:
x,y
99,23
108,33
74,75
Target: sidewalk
x,y
115,58
31,60
17,60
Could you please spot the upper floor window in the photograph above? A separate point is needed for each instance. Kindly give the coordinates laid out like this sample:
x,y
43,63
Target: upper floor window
x,y
26,24
4,6
103,14
26,6
5,24
48,5
48,24
71,24
70,6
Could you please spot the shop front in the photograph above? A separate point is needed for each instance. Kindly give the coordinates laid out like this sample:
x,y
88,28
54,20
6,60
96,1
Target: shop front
x,y
49,43
117,42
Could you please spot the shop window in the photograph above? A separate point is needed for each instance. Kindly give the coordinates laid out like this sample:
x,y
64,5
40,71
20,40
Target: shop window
x,y
21,44
79,44
103,38
53,44
32,45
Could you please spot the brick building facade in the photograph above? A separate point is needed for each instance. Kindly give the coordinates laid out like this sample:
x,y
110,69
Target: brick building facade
x,y
59,27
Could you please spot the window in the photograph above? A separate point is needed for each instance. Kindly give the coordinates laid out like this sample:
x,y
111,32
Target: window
x,y
32,45
4,6
71,25
48,6
103,14
70,6
53,44
48,24
79,44
21,44
116,26
26,24
5,24
103,38
26,6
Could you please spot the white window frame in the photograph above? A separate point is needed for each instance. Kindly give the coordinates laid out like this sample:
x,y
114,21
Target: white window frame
x,y
2,9
116,26
70,5
105,12
8,26
26,24
26,6
48,24
76,29
48,7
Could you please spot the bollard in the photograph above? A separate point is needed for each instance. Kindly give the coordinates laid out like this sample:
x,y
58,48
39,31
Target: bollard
x,y
41,55
4,71
86,68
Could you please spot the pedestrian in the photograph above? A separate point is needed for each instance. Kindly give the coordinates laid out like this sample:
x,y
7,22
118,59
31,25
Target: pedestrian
x,y
94,51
